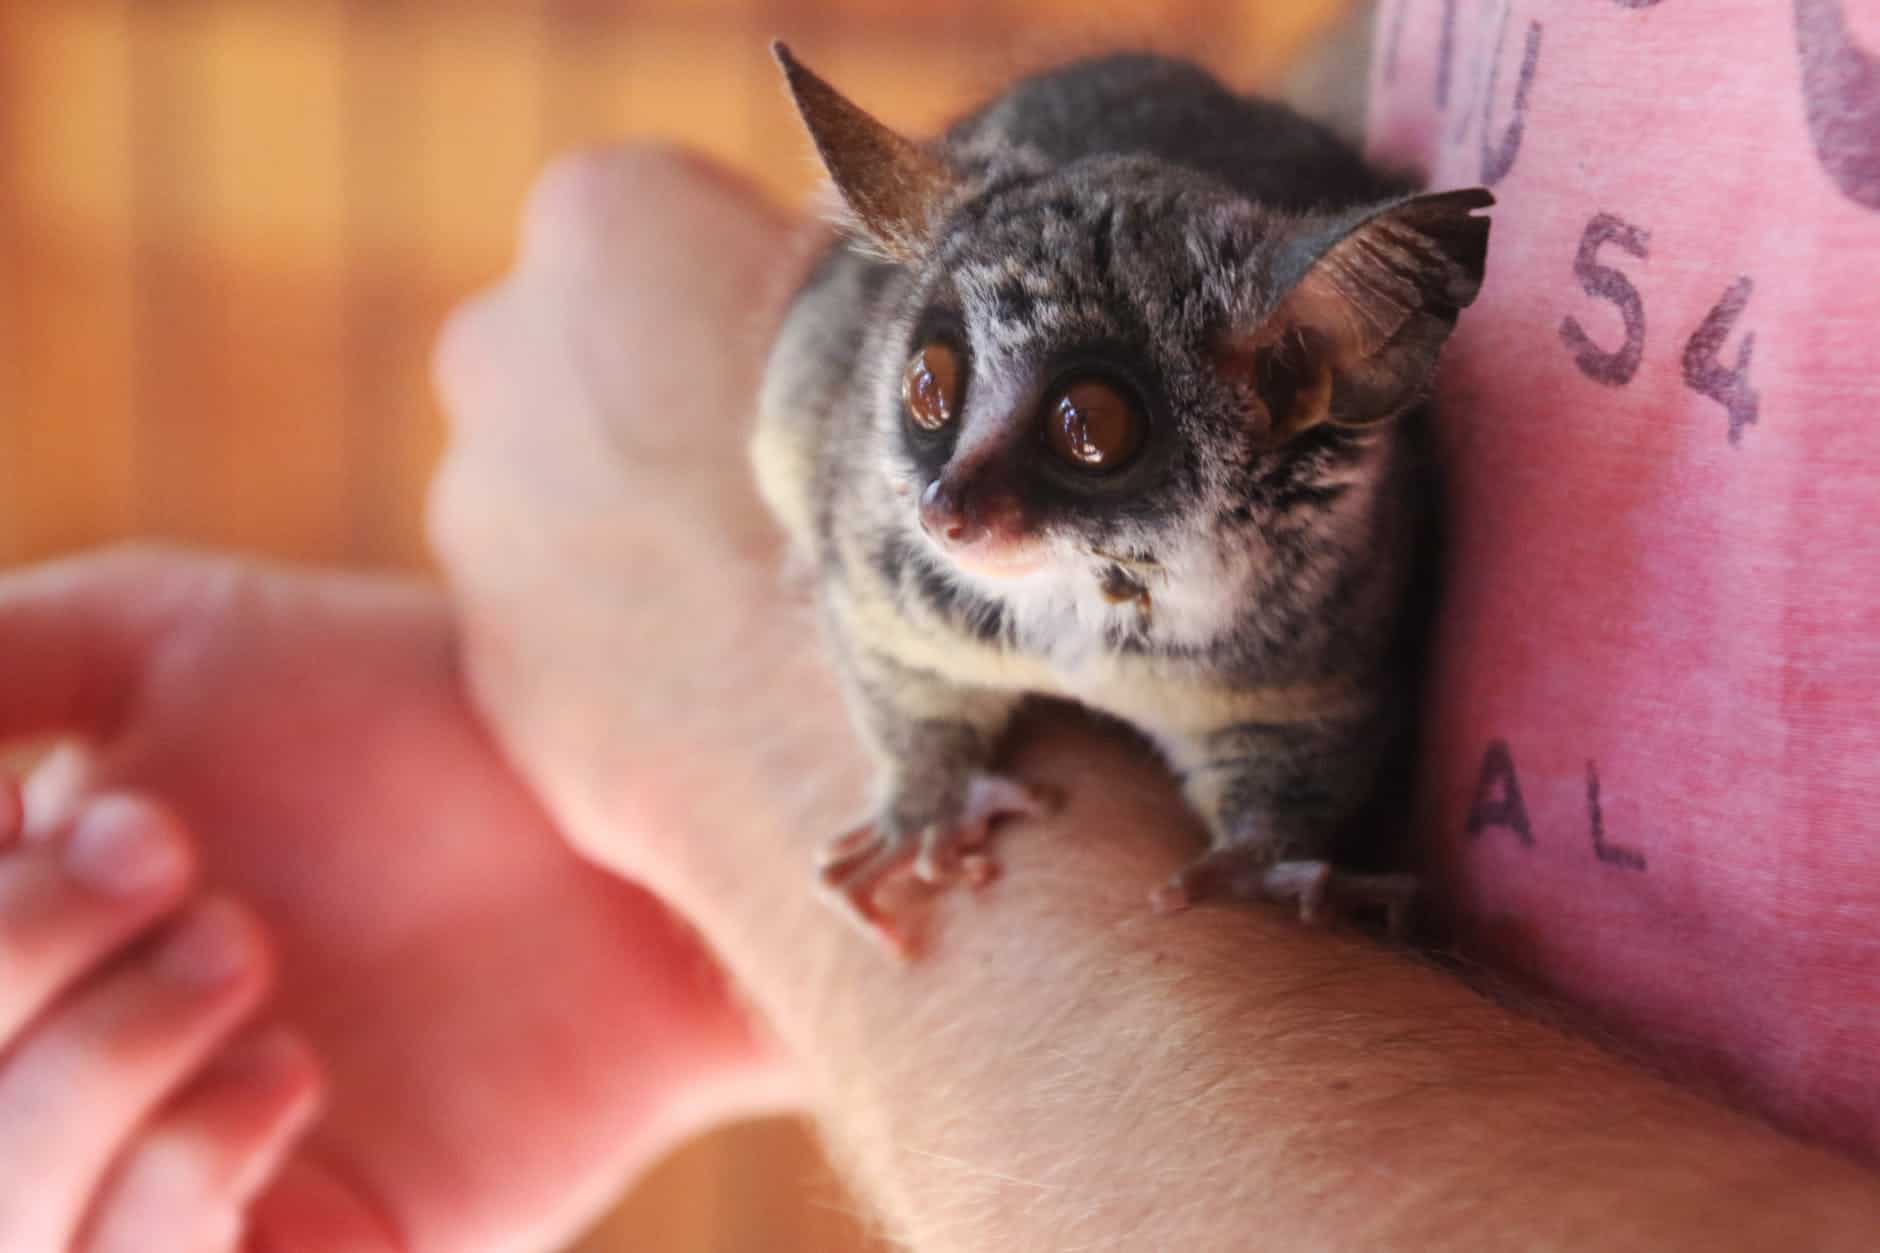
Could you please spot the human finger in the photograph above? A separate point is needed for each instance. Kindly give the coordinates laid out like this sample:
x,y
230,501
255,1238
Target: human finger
x,y
69,905
195,1166
76,1086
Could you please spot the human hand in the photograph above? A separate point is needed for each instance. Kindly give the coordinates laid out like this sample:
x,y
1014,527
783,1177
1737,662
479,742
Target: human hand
x,y
505,1033
625,626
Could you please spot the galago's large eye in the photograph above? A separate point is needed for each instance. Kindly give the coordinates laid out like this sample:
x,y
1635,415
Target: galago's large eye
x,y
931,387
1093,425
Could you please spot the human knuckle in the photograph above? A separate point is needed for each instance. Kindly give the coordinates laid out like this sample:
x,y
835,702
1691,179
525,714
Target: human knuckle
x,y
134,567
567,205
164,583
460,355
176,1163
580,199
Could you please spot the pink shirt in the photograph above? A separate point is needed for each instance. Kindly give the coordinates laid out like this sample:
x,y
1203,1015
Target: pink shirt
x,y
1655,776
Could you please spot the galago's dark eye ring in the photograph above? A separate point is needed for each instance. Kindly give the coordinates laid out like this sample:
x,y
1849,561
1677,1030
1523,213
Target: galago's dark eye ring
x,y
931,386
1093,424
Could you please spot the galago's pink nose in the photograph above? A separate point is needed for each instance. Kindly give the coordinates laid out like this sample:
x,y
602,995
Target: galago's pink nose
x,y
961,517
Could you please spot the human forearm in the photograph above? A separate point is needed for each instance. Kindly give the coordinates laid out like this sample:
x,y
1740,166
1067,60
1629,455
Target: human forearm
x,y
1065,1070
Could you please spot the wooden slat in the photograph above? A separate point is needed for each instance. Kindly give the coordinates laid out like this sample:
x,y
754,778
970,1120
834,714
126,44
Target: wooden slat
x,y
238,327
395,293
12,309
68,427
66,69
269,81
68,432
668,81
476,88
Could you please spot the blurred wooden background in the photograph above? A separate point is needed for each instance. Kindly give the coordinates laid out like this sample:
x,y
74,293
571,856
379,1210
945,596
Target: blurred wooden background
x,y
229,229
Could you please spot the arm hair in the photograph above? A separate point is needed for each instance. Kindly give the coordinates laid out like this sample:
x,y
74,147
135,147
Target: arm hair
x,y
1065,1071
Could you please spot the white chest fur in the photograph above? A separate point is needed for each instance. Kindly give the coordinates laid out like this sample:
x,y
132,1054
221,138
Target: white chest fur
x,y
1162,695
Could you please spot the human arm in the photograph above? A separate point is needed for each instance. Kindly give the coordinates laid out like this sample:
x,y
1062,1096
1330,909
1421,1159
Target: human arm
x,y
1062,1069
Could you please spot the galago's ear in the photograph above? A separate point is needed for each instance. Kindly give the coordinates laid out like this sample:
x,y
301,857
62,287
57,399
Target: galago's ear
x,y
1370,300
895,189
